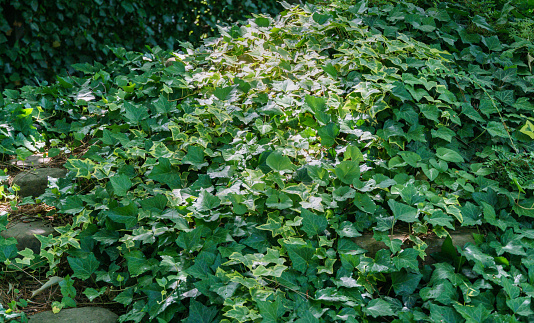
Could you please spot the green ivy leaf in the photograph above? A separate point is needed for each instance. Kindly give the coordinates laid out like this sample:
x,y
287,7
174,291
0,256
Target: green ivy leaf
x,y
164,173
378,307
444,314
482,23
137,263
328,134
528,129
125,297
506,97
520,306
403,212
190,241
8,248
127,215
278,162
473,253
73,205
163,106
64,82
92,293
319,18
134,114
430,112
206,201
348,229
224,93
429,172
443,292
443,133
307,317
195,157
405,283
407,258
348,171
199,313
330,69
262,22
496,129
364,202
439,218
83,168
279,201
343,193
449,155
319,175
83,268
225,290
410,157
272,311
121,184
492,43
301,256
470,313
470,112
399,91
312,223
354,154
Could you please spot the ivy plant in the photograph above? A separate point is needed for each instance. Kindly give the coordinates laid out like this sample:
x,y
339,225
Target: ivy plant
x,y
229,182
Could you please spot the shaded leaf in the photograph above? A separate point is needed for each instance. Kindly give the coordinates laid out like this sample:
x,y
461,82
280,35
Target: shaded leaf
x,y
83,267
312,223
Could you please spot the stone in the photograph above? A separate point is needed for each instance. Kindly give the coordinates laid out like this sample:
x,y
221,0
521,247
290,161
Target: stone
x,y
33,160
76,315
367,242
34,182
459,238
25,234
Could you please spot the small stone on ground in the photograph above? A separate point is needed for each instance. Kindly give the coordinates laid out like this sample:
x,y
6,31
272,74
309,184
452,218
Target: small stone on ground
x,y
76,315
459,238
25,234
34,160
34,182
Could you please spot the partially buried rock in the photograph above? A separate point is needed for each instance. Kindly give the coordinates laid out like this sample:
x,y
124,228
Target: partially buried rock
x,y
367,242
25,234
34,160
459,238
76,315
34,182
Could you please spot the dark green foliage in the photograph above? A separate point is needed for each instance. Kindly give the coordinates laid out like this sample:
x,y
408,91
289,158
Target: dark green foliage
x,y
39,39
230,185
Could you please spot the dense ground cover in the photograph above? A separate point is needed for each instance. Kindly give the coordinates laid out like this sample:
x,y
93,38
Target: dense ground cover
x,y
230,184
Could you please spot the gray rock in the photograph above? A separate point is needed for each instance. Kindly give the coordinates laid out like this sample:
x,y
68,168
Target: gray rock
x,y
459,238
367,242
34,182
33,160
25,234
76,315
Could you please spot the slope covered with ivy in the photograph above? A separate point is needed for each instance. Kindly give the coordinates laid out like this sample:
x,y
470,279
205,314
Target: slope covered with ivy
x,y
230,185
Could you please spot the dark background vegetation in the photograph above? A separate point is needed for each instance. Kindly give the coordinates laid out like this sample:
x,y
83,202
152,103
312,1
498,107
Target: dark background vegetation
x,y
39,39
